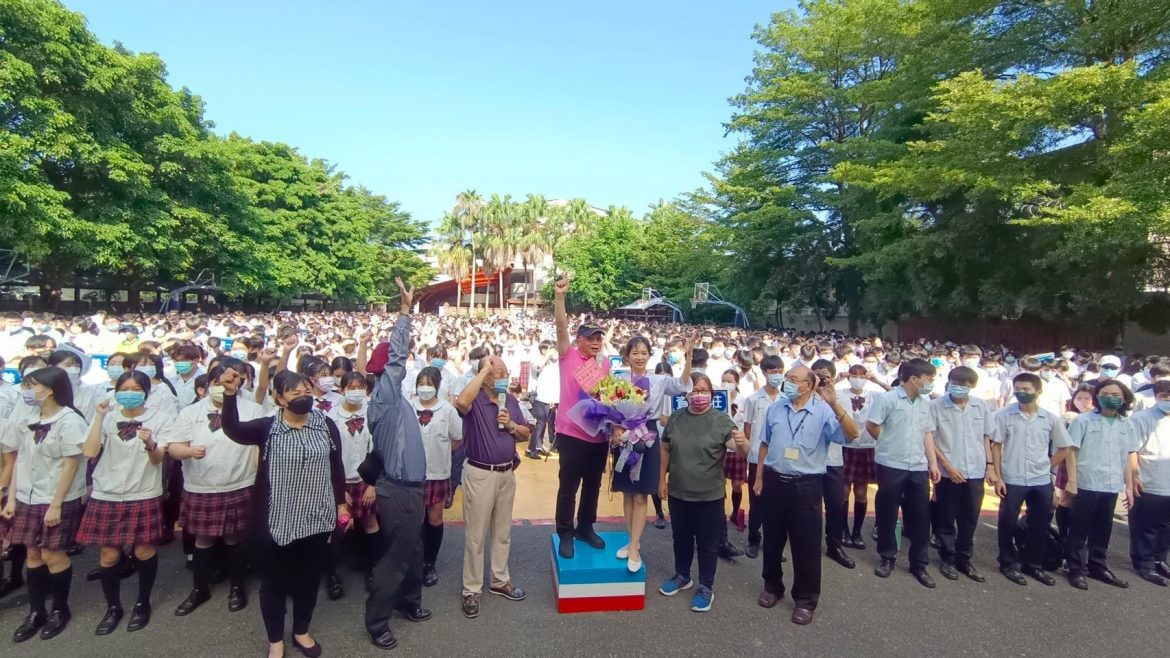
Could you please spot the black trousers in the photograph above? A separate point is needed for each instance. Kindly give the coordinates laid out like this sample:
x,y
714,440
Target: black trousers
x,y
1149,530
755,508
292,571
582,465
956,515
834,495
1039,501
398,574
910,491
1089,531
792,515
696,524
540,413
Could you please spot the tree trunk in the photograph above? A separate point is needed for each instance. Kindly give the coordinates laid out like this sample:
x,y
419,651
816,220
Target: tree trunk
x,y
458,295
471,304
527,283
501,289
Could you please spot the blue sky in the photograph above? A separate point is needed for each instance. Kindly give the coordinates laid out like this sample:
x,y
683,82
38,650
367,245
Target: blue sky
x,y
621,103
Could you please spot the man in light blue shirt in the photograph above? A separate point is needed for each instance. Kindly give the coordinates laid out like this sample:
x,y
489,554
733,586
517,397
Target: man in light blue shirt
x,y
962,443
900,419
1149,520
789,479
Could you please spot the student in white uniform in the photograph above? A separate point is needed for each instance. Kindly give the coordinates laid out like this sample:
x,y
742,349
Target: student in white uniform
x,y
45,506
351,418
1102,462
325,395
125,507
186,364
442,434
162,392
1149,519
755,414
75,364
860,470
218,475
9,395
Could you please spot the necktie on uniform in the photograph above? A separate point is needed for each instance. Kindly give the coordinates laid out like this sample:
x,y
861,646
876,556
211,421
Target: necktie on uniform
x,y
128,429
214,421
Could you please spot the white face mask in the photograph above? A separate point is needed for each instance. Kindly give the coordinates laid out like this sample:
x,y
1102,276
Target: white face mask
x,y
857,383
425,393
355,396
327,384
74,373
728,386
971,363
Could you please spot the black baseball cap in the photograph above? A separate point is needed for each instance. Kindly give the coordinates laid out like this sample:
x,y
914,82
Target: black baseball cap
x,y
588,330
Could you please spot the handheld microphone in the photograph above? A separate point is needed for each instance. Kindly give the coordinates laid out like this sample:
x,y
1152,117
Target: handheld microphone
x,y
502,402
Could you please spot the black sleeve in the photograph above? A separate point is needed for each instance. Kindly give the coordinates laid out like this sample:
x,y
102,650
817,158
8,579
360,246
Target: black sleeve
x,y
250,433
336,466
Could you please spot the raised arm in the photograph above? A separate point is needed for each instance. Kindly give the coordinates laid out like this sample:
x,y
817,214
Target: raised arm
x,y
249,433
560,289
389,388
93,442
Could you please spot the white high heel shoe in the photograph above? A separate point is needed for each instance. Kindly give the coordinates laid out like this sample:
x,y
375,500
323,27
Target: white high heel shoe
x,y
623,552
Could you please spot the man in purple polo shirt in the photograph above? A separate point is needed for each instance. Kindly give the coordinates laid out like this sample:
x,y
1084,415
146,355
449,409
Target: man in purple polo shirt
x,y
489,483
582,455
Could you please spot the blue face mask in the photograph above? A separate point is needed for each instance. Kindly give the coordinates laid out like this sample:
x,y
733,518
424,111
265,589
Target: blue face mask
x,y
115,372
775,380
184,367
130,399
937,362
926,388
149,371
500,385
438,363
672,358
791,390
958,392
1163,406
1110,373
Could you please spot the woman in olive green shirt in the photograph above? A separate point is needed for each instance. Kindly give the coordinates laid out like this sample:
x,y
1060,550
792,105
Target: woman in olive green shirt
x,y
694,442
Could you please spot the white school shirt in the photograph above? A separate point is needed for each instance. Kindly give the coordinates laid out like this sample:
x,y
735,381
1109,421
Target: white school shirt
x,y
162,399
123,472
1153,430
548,384
443,427
9,398
356,440
332,399
858,407
39,464
755,410
228,466
185,390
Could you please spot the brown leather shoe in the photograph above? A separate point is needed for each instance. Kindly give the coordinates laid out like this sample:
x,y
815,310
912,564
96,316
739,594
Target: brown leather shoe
x,y
802,616
768,599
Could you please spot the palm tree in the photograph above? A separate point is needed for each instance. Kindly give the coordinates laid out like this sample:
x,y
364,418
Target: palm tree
x,y
451,254
535,218
469,210
499,236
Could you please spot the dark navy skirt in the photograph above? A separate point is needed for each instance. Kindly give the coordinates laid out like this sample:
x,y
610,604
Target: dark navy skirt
x,y
651,465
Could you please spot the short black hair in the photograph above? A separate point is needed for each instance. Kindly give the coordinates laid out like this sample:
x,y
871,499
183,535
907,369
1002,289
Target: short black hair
x,y
964,376
915,368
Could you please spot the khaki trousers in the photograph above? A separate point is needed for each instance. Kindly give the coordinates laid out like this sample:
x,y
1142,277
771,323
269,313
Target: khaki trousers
x,y
487,505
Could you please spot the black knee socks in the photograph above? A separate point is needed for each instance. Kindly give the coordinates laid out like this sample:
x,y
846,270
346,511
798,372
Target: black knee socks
x,y
38,588
859,507
111,578
201,568
657,504
1063,518
235,564
736,500
432,541
147,571
59,585
188,543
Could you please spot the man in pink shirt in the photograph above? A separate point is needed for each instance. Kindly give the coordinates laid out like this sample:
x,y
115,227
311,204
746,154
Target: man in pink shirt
x,y
582,455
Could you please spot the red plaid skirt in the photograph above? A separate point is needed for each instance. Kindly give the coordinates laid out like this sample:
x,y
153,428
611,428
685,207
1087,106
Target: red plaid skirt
x,y
216,514
860,466
28,526
435,491
129,523
1062,476
359,513
735,466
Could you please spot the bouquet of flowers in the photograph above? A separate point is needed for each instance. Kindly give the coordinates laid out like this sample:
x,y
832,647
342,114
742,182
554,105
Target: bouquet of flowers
x,y
618,402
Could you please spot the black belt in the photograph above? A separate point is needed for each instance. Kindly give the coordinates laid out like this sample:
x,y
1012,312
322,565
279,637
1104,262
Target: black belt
x,y
495,468
405,483
793,478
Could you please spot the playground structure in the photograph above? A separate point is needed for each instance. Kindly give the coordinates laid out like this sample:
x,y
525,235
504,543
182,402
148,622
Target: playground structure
x,y
705,293
652,306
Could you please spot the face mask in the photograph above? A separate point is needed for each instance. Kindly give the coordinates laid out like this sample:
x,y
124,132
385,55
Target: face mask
x,y
728,386
438,363
326,384
727,354
115,372
790,389
775,380
1067,355
971,363
1047,375
661,342
700,402
1009,360
301,405
871,366
672,358
30,398
958,392
74,373
183,367
500,385
857,383
1110,373
1025,398
216,393
425,393
937,362
926,389
149,371
1163,406
130,399
1110,401
355,395
240,354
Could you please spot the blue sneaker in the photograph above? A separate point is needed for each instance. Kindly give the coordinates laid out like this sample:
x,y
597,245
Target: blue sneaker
x,y
701,601
675,585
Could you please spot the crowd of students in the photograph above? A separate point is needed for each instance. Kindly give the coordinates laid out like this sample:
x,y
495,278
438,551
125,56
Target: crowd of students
x,y
280,441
